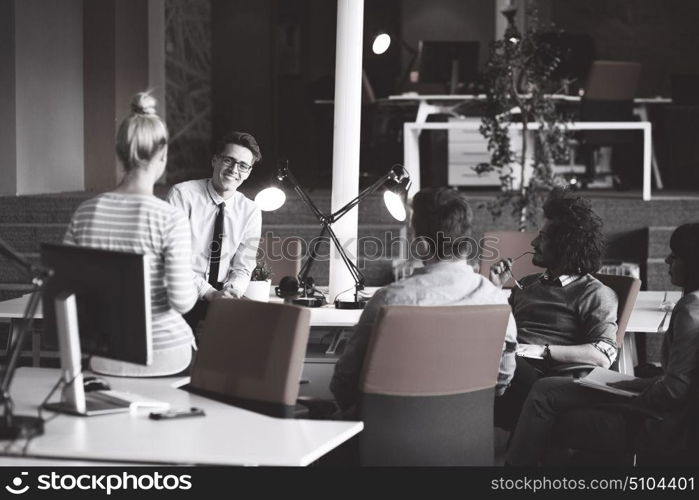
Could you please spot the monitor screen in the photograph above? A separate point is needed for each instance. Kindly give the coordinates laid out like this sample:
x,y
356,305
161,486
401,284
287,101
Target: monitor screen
x,y
575,51
112,292
437,60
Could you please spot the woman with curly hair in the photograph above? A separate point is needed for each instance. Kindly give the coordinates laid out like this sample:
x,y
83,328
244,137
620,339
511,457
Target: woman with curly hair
x,y
658,420
564,315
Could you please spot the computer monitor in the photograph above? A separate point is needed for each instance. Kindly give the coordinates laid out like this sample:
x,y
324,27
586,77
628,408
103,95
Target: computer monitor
x,y
447,62
575,52
685,89
96,302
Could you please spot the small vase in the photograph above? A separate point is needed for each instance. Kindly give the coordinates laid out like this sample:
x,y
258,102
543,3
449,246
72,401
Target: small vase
x,y
258,290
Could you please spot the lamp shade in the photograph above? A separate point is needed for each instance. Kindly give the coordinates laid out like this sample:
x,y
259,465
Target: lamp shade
x,y
394,204
382,42
270,199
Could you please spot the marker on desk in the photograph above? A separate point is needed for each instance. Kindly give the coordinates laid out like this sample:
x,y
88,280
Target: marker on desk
x,y
179,413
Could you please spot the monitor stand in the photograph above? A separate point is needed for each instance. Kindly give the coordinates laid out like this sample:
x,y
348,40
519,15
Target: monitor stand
x,y
73,398
454,80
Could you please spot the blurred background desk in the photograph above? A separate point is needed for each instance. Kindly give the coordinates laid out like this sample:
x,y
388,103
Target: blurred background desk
x,y
456,106
411,144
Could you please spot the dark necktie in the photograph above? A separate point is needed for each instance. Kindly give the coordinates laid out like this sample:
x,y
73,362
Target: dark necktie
x,y
215,247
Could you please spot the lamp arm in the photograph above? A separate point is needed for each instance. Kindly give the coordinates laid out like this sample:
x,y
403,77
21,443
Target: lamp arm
x,y
16,347
306,268
354,202
357,275
303,195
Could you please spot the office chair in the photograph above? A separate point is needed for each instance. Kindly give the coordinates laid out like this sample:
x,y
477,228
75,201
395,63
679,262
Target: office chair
x,y
608,97
626,289
427,385
251,355
283,255
508,244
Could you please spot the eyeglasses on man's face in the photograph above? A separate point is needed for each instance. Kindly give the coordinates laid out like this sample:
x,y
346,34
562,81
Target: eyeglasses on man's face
x,y
230,162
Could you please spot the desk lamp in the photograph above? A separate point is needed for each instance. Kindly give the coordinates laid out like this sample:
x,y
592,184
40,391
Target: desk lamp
x,y
19,426
382,42
397,181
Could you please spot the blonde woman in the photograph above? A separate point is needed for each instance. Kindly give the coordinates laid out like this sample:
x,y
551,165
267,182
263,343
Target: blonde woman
x,y
131,219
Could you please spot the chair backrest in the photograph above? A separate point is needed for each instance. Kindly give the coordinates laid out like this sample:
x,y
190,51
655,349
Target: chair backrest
x,y
251,354
428,384
612,81
283,255
498,245
626,289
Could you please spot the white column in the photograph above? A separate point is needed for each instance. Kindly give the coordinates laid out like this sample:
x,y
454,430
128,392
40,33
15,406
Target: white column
x,y
156,59
500,21
346,141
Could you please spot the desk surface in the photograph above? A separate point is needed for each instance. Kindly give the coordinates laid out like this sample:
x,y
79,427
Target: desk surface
x,y
326,316
647,314
472,97
645,317
225,436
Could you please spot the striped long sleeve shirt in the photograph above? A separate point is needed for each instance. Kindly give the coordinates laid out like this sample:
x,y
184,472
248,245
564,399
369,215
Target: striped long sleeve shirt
x,y
145,225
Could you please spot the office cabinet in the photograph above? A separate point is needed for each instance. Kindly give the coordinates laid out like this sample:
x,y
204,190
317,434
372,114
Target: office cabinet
x,y
466,149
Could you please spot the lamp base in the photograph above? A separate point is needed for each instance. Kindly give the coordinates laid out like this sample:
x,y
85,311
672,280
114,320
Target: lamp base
x,y
350,304
308,301
22,428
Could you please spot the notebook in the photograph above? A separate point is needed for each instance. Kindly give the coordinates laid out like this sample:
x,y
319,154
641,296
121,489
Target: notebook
x,y
600,377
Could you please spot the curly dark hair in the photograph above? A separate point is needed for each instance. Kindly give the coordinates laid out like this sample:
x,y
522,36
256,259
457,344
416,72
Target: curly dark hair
x,y
241,139
575,233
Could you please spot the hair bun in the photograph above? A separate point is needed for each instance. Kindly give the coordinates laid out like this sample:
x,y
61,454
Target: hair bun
x,y
143,104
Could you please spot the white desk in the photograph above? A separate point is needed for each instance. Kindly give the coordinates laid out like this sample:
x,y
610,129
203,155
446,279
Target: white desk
x,y
320,316
411,143
448,104
225,436
13,311
646,317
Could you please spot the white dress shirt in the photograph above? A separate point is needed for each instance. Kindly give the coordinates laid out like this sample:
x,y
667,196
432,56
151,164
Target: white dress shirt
x,y
242,227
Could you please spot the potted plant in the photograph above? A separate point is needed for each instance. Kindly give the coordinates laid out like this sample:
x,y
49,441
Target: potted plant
x,y
518,88
260,282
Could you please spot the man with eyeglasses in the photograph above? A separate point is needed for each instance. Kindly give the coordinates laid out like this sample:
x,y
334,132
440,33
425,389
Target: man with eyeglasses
x,y
226,225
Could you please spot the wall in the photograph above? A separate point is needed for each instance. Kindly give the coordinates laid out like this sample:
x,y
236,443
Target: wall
x,y
188,83
117,64
49,105
661,35
242,55
8,131
449,20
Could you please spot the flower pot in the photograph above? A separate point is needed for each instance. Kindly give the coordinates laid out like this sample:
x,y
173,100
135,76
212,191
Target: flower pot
x,y
258,290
